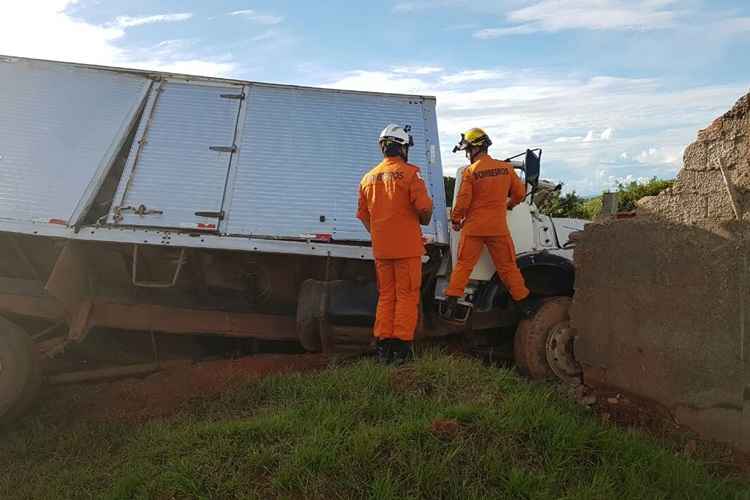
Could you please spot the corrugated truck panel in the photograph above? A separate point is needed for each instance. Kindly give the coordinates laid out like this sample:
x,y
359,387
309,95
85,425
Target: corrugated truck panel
x,y
174,174
302,153
59,126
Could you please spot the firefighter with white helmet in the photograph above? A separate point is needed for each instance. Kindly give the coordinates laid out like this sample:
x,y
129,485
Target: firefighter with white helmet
x,y
393,202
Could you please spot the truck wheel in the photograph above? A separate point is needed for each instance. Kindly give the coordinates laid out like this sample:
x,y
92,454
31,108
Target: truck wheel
x,y
20,373
543,345
309,306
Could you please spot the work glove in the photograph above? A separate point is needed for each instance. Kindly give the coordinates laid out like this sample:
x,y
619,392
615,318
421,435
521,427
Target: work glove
x,y
457,225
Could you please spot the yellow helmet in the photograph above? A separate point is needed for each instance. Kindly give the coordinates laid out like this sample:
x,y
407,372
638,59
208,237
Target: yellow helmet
x,y
473,137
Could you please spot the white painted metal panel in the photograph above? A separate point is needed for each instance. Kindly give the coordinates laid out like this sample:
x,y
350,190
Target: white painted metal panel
x,y
60,127
172,171
302,153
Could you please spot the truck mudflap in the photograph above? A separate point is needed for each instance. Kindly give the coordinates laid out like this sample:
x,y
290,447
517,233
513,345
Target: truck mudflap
x,y
336,316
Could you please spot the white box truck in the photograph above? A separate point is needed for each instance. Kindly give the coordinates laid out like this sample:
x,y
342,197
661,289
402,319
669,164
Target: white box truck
x,y
152,202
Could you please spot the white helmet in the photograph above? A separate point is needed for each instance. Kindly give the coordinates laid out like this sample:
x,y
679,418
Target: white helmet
x,y
397,134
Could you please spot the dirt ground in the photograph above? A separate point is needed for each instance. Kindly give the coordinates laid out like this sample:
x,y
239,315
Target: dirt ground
x,y
162,393
630,412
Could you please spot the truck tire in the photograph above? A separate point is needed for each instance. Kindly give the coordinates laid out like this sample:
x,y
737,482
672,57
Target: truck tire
x,y
538,347
20,372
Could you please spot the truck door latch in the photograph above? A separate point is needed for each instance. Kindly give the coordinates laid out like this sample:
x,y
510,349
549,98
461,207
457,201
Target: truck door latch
x,y
140,210
213,215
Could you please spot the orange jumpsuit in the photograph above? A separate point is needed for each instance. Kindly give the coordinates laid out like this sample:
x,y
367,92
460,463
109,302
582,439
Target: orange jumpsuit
x,y
482,206
391,198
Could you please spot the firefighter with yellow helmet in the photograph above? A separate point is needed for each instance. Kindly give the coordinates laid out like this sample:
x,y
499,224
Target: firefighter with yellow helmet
x,y
489,188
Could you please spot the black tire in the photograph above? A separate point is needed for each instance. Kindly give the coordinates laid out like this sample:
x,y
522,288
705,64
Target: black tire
x,y
20,372
530,342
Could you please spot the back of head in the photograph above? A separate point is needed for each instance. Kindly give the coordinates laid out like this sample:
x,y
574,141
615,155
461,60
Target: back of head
x,y
391,149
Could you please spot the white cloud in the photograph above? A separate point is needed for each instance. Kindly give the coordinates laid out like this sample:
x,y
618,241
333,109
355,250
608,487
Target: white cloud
x,y
574,119
129,22
614,181
417,70
475,5
476,75
659,155
45,29
735,25
591,136
257,17
380,81
489,33
266,35
40,28
560,15
405,7
575,138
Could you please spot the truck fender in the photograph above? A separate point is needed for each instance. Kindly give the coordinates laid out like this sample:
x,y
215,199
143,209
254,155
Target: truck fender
x,y
546,275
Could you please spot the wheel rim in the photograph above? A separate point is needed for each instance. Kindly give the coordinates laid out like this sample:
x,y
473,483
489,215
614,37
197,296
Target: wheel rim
x,y
560,352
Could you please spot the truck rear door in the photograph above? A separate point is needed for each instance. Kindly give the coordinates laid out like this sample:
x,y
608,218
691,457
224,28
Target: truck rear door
x,y
177,169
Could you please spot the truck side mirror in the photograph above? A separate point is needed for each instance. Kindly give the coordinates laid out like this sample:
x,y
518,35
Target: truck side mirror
x,y
532,166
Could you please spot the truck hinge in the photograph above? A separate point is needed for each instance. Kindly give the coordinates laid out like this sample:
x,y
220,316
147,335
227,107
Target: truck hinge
x,y
224,149
214,215
239,97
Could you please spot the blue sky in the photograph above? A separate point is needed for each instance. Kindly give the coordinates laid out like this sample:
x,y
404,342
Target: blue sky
x,y
613,90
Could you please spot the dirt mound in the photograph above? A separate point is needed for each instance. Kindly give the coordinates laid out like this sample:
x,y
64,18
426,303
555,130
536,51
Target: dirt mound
x,y
161,394
445,429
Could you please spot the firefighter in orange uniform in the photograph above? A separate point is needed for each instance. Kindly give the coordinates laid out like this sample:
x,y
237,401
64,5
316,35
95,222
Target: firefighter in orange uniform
x,y
489,188
393,202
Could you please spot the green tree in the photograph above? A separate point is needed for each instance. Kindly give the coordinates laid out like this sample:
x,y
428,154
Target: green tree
x,y
572,205
563,205
629,194
592,207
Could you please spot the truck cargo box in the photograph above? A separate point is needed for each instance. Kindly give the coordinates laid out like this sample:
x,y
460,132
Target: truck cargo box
x,y
160,158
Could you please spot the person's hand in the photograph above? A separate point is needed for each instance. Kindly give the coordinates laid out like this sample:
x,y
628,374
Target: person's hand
x,y
457,226
510,206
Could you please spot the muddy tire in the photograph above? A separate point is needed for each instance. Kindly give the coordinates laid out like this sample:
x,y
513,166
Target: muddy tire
x,y
530,345
20,372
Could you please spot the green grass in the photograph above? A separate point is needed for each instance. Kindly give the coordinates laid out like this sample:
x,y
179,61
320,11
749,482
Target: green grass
x,y
359,431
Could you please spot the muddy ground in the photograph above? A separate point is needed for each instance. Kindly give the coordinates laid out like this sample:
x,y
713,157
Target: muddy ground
x,y
163,393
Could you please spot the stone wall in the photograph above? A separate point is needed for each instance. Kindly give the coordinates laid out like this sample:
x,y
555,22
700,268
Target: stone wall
x,y
662,303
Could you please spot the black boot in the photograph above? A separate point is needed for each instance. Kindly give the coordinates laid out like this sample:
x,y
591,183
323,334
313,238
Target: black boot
x,y
383,351
528,307
451,304
403,352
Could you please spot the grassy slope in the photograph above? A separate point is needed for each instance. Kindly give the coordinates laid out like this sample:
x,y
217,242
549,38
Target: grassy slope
x,y
360,431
